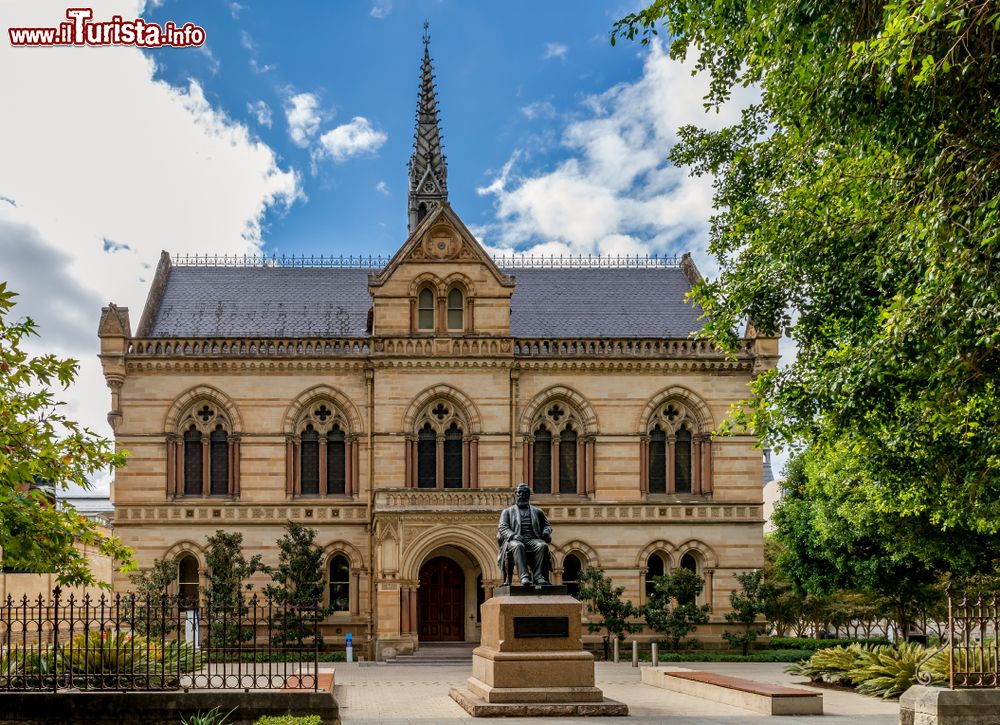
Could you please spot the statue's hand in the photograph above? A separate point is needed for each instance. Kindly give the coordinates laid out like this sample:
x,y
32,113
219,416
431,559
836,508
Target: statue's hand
x,y
547,537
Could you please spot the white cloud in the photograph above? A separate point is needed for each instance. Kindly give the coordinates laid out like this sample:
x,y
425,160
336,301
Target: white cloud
x,y
235,9
246,40
555,50
381,8
539,109
383,188
261,111
302,113
351,139
616,193
102,151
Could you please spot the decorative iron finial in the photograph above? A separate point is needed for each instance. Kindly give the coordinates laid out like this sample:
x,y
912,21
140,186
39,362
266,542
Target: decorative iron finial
x,y
427,35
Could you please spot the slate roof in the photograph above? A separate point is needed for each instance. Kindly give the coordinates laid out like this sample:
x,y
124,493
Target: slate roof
x,y
334,302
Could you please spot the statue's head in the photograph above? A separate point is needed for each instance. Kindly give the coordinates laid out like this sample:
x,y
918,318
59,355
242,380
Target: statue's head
x,y
522,493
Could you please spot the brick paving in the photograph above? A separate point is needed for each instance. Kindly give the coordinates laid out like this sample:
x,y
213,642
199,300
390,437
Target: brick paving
x,y
397,694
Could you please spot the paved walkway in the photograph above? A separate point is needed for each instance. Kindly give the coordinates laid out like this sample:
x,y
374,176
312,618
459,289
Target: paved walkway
x,y
399,694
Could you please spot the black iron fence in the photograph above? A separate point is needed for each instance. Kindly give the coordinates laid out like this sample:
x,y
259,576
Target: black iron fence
x,y
969,653
132,642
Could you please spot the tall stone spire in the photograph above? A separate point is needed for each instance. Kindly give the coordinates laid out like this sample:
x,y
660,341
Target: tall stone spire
x,y
428,172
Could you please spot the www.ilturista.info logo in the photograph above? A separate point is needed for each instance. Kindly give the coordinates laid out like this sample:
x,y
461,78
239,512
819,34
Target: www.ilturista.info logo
x,y
82,30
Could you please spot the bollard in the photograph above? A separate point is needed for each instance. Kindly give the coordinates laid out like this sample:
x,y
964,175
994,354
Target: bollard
x,y
656,652
635,653
614,651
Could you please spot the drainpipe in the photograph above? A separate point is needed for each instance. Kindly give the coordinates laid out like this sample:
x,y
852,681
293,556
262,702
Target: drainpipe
x,y
370,386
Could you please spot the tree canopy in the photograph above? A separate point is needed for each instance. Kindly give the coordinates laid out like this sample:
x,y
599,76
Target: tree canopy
x,y
43,452
856,212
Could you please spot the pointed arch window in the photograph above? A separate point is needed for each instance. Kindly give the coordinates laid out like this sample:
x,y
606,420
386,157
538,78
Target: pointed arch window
x,y
655,566
453,456
340,583
203,456
187,582
572,566
558,459
690,562
676,457
682,460
323,455
425,309
441,453
427,457
456,309
542,464
192,462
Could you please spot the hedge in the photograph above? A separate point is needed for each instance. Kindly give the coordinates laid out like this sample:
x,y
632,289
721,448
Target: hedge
x,y
808,643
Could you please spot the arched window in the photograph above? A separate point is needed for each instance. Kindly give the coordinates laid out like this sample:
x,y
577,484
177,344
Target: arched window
x,y
682,460
443,455
455,309
421,212
542,465
203,456
689,562
572,566
336,468
453,457
309,461
657,461
558,456
192,462
187,581
340,583
567,461
427,457
219,462
678,459
323,452
655,566
425,309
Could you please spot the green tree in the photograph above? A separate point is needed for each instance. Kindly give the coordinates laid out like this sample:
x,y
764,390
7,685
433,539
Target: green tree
x,y
151,614
857,212
228,582
672,609
747,605
42,452
297,586
830,543
604,599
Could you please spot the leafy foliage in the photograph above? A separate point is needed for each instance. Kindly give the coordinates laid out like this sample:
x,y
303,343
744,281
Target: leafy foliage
x,y
672,609
604,599
857,212
882,670
43,452
832,664
808,643
215,716
152,601
747,605
297,587
228,575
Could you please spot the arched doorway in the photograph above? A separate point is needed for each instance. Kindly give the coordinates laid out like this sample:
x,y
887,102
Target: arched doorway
x,y
442,601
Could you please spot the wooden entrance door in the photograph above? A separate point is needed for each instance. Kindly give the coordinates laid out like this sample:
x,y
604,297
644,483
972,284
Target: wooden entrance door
x,y
442,601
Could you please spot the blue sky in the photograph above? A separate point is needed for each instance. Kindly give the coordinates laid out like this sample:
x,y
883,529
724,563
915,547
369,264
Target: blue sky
x,y
510,76
290,131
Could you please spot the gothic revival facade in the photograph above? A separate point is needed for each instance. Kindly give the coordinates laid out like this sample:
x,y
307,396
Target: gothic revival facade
x,y
394,407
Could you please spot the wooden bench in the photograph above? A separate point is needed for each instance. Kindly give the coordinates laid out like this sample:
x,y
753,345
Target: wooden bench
x,y
762,697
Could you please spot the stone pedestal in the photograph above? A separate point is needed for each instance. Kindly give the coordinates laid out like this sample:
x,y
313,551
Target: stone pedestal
x,y
530,661
922,705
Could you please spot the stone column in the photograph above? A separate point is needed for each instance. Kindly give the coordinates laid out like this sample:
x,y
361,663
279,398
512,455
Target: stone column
x,y
296,473
408,463
470,324
671,457
348,464
205,454
644,465
234,472
171,463
591,458
355,593
581,466
178,453
413,610
413,315
439,462
289,466
466,475
526,462
554,474
404,611
474,461
442,322
707,483
696,465
356,469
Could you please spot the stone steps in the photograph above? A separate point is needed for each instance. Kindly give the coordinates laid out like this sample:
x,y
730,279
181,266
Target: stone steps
x,y
439,655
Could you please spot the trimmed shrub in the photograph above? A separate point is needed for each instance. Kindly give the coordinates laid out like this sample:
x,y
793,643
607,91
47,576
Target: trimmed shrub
x,y
794,655
818,644
890,671
833,665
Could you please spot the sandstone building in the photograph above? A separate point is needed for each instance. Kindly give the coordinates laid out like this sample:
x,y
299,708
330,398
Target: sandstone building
x,y
394,407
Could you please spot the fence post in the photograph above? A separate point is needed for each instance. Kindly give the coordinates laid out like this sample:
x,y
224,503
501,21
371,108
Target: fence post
x,y
55,638
614,650
635,653
655,654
